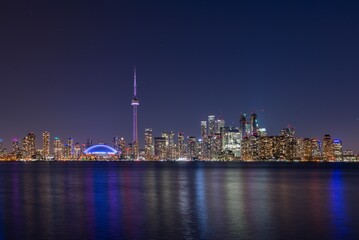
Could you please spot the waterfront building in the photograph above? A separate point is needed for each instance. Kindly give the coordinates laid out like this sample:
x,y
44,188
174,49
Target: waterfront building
x,y
254,124
211,125
116,143
203,129
219,124
231,140
328,152
316,149
58,149
77,151
29,146
16,149
338,149
46,145
89,143
243,125
160,148
149,148
181,146
192,148
70,143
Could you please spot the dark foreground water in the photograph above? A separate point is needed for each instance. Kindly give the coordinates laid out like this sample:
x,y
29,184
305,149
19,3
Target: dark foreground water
x,y
137,200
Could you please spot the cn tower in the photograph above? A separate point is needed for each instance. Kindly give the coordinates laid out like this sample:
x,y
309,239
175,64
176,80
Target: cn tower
x,y
135,102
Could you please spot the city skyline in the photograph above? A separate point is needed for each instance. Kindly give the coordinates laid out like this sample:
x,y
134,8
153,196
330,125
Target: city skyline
x,y
295,60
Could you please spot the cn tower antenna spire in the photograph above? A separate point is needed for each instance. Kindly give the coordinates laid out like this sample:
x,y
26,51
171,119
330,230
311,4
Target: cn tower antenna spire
x,y
134,82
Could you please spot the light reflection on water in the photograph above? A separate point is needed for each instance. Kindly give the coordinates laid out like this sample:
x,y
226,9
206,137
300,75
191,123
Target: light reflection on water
x,y
109,200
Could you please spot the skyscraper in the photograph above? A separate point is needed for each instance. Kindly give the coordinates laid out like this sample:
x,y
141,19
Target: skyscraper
x,y
203,129
135,102
328,153
254,124
149,149
243,125
181,145
211,125
219,123
58,149
29,145
46,144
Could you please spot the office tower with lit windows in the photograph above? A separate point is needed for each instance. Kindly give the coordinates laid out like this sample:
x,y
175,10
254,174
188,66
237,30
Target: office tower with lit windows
x,y
192,148
70,144
338,149
211,125
316,149
243,125
231,140
135,103
160,148
254,124
16,149
181,146
149,148
123,149
77,151
29,145
203,129
58,149
219,124
116,143
46,144
328,153
89,143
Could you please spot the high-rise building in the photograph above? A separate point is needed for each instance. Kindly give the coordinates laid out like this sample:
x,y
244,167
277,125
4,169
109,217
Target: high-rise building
x,y
89,143
243,125
58,149
203,129
77,151
160,148
46,145
211,125
181,145
70,144
254,124
123,149
328,153
231,140
219,124
149,148
116,143
29,145
16,146
192,148
135,102
338,149
169,136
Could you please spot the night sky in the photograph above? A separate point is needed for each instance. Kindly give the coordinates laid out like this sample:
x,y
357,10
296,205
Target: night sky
x,y
67,66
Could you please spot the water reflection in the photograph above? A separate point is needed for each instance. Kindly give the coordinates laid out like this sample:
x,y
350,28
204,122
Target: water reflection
x,y
176,201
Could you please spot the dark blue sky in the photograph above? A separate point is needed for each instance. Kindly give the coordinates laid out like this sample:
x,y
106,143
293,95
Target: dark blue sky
x,y
67,67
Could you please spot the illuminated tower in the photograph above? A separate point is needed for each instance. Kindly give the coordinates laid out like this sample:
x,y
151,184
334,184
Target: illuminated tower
x,y
243,125
46,144
218,125
149,144
211,125
203,129
254,124
135,102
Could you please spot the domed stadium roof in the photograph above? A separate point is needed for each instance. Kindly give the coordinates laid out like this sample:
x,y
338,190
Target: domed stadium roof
x,y
100,149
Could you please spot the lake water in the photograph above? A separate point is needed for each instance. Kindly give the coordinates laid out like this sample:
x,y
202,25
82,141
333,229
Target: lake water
x,y
168,200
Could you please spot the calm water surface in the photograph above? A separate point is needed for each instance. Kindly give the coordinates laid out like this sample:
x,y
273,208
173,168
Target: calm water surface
x,y
138,200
